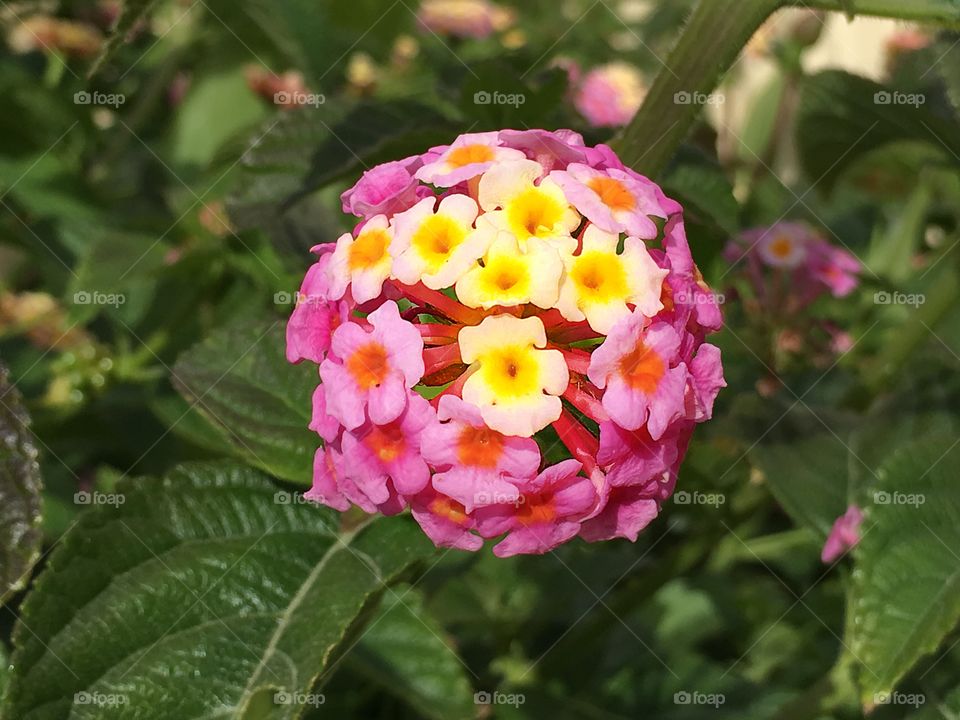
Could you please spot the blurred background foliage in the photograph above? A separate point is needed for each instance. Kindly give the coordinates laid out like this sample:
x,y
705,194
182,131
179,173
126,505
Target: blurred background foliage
x,y
193,199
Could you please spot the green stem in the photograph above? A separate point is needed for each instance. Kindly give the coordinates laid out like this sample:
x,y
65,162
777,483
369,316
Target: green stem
x,y
707,49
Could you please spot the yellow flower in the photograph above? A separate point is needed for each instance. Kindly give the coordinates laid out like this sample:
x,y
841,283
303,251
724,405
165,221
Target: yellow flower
x,y
509,277
600,282
439,246
364,261
516,204
515,383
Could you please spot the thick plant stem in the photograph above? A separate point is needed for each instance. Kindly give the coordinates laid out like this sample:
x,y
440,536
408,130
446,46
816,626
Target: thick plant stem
x,y
710,44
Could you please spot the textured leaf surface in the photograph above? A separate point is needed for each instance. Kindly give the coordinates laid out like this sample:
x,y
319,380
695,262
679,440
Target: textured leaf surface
x,y
906,589
20,486
808,477
203,595
843,116
405,650
240,380
307,149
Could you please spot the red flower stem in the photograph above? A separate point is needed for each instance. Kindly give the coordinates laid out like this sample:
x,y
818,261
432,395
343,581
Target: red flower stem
x,y
437,358
456,387
438,334
445,305
578,440
580,331
552,319
585,402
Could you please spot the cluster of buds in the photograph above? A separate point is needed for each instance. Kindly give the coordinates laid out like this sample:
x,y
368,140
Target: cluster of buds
x,y
511,342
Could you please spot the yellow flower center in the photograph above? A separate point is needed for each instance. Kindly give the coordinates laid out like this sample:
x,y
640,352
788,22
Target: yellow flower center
x,y
436,239
470,154
781,247
505,277
599,276
534,213
511,372
613,193
368,249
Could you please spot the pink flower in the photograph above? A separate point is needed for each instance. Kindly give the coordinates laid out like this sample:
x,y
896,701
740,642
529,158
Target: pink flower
x,y
550,149
314,318
549,513
374,370
444,520
477,466
640,369
384,190
390,452
844,535
706,380
610,95
612,199
836,268
469,156
626,511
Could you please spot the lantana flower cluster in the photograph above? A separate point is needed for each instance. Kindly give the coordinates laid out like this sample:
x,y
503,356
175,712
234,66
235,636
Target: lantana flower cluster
x,y
787,267
510,344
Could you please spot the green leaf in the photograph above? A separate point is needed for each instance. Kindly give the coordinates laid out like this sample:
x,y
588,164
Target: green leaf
x,y
706,191
843,116
20,488
906,587
240,381
309,148
405,650
218,107
204,594
808,477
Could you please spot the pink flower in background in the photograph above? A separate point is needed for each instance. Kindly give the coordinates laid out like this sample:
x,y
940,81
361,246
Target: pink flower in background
x,y
610,95
520,280
844,535
787,267
464,18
